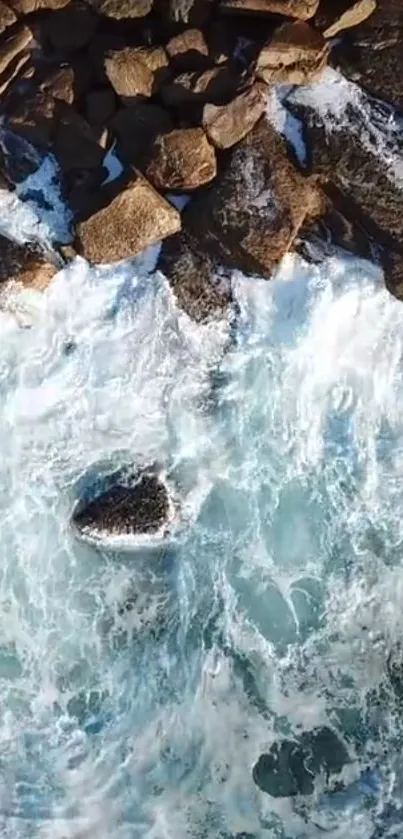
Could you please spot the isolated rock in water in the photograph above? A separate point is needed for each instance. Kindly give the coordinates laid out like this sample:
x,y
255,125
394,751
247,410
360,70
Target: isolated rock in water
x,y
188,51
251,217
301,9
371,54
226,125
199,285
296,54
133,217
335,16
182,160
7,17
136,72
24,265
136,128
133,504
122,9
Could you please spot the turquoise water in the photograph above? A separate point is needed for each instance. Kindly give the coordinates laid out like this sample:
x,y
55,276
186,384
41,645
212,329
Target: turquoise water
x,y
138,689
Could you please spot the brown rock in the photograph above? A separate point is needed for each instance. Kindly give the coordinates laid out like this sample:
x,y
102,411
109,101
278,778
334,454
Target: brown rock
x,y
188,51
100,106
259,202
182,160
70,28
60,83
122,9
136,129
23,265
301,9
14,69
226,125
135,218
136,72
200,286
25,7
217,85
33,117
15,43
296,54
334,16
7,17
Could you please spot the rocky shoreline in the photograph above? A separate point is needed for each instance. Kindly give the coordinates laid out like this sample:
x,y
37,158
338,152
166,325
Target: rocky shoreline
x,y
183,91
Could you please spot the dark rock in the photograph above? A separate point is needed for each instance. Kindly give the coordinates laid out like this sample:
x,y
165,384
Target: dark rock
x,y
296,54
123,9
136,503
24,265
133,216
301,9
81,187
259,202
338,228
226,125
7,17
74,142
217,85
100,106
188,51
18,157
136,128
70,28
201,288
371,53
181,161
136,72
335,16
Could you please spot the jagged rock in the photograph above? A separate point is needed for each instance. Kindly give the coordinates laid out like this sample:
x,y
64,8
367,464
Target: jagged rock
x,y
217,85
133,217
226,125
371,53
136,129
259,202
188,51
25,266
123,9
200,286
296,54
301,9
70,28
181,161
25,7
7,17
13,44
61,84
100,106
334,16
136,72
134,504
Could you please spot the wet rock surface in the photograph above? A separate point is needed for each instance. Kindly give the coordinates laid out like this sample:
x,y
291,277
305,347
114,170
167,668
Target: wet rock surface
x,y
25,266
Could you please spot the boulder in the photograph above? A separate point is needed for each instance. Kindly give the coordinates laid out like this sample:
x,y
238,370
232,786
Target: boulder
x,y
71,28
74,142
15,43
136,72
181,160
133,216
25,7
226,125
7,17
136,129
201,287
100,106
259,202
301,9
296,54
122,9
335,17
24,265
188,51
217,85
371,54
135,503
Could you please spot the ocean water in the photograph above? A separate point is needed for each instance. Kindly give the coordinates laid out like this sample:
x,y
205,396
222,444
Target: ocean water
x,y
138,689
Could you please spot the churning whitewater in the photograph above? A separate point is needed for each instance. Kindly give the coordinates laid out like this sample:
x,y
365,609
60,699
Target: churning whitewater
x,y
139,688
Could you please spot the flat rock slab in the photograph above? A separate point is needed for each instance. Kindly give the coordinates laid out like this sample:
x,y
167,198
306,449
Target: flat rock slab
x,y
226,125
135,217
181,160
296,54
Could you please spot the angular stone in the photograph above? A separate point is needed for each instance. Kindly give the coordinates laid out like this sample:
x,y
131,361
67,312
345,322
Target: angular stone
x,y
74,142
20,264
301,9
188,51
296,54
135,217
136,72
136,129
133,504
200,286
181,161
217,85
14,43
335,16
7,17
123,9
226,125
70,28
33,117
25,7
60,83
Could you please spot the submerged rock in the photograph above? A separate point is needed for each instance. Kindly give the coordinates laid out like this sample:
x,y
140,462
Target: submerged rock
x,y
133,504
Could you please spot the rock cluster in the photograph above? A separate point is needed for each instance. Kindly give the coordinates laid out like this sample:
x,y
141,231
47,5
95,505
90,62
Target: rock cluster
x,y
180,90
